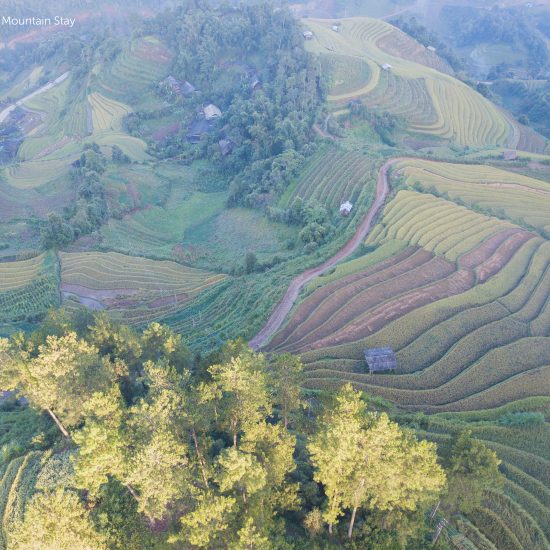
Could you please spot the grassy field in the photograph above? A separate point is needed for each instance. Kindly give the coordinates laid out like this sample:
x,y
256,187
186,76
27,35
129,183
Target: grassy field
x,y
440,105
135,290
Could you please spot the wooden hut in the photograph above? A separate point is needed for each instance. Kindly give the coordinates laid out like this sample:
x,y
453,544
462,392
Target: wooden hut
x,y
380,360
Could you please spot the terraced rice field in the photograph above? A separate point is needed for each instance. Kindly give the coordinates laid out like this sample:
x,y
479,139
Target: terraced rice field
x,y
517,515
28,288
107,114
137,68
452,291
332,177
16,487
135,290
33,174
518,197
440,104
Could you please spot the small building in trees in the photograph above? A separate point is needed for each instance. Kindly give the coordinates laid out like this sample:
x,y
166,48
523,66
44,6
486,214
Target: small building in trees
x,y
187,88
198,129
226,146
336,27
255,83
308,35
211,112
345,208
380,360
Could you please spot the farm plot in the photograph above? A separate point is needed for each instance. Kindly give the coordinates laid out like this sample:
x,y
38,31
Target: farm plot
x,y
399,44
452,291
28,288
359,304
441,105
107,114
347,74
332,177
516,196
136,290
158,229
137,68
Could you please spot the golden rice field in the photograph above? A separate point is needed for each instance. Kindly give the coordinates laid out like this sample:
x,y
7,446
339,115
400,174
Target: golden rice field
x,y
518,196
107,114
14,275
453,291
134,289
442,105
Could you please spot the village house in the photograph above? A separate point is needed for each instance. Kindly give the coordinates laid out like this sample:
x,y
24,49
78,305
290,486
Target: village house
x,y
211,112
308,35
431,48
345,208
380,360
198,129
336,27
387,67
226,146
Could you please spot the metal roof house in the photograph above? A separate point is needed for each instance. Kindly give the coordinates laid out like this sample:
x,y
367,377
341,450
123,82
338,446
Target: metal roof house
x,y
387,67
308,35
211,112
380,359
345,208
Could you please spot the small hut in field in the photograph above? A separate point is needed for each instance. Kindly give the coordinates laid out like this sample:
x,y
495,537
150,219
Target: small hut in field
x,y
380,360
345,208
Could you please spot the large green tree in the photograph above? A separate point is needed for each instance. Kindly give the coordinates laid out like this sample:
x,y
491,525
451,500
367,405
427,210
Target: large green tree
x,y
364,460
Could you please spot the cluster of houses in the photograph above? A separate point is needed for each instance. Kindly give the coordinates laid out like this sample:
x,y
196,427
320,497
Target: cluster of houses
x,y
204,122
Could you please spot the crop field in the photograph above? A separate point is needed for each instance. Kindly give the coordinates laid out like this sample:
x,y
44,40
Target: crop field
x,y
347,73
136,69
399,44
135,290
16,487
452,290
156,230
522,504
33,174
28,288
519,197
442,106
107,114
332,177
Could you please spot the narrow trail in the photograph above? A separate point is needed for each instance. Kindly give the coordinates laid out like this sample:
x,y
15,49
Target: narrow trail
x,y
282,309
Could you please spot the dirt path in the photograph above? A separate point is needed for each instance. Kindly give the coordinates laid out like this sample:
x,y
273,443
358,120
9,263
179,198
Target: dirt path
x,y
285,305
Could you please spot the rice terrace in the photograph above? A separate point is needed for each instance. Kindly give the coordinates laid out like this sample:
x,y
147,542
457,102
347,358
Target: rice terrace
x,y
335,197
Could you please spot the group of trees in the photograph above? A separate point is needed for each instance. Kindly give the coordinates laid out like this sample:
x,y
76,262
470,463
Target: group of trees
x,y
164,448
220,51
90,209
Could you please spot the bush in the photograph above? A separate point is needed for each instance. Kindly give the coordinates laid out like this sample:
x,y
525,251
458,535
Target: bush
x,y
521,419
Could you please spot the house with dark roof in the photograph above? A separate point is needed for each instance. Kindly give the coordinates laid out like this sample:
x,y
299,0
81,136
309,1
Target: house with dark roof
x,y
226,146
198,129
380,360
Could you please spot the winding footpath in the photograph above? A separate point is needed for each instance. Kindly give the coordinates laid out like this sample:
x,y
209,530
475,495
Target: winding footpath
x,y
285,305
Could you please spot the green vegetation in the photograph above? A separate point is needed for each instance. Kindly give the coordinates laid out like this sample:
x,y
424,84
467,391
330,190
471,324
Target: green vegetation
x,y
225,457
